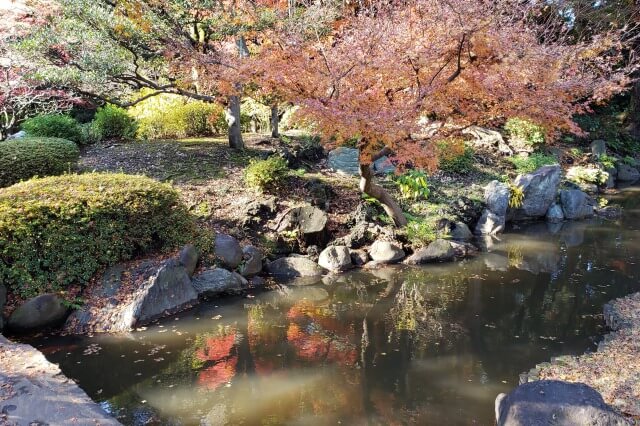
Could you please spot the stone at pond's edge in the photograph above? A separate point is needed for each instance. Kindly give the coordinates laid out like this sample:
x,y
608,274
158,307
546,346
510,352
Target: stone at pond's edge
x,y
490,223
335,258
386,252
163,290
252,261
496,196
45,396
189,258
359,257
540,190
627,173
555,214
3,300
310,223
291,267
217,281
610,212
228,250
344,160
41,311
460,231
548,402
576,204
438,251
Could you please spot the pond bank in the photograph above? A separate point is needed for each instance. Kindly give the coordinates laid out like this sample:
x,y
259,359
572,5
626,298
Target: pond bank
x,y
613,370
34,391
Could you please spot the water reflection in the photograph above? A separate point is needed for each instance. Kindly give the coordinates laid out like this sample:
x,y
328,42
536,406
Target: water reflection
x,y
430,345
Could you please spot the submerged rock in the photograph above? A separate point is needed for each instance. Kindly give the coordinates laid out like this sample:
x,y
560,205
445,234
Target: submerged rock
x,y
386,252
41,311
335,258
548,402
291,267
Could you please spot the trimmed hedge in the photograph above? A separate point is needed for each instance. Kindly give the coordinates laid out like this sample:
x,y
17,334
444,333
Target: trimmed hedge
x,y
24,158
59,231
53,126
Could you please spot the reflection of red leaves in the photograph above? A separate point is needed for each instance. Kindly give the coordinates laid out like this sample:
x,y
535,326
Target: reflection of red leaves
x,y
216,348
318,347
219,374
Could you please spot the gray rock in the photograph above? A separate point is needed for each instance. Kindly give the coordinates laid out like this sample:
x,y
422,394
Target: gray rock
x,y
291,267
19,135
555,214
358,237
551,402
540,190
460,231
228,250
258,211
310,222
359,257
344,160
189,258
626,173
463,249
576,204
252,263
487,138
163,290
496,196
438,251
38,312
217,281
335,258
383,166
386,252
598,148
257,282
490,223
610,212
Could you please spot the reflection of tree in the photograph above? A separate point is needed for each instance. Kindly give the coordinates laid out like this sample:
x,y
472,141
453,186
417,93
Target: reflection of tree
x,y
216,358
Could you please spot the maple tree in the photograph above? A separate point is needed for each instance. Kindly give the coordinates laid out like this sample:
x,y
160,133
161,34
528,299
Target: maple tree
x,y
386,69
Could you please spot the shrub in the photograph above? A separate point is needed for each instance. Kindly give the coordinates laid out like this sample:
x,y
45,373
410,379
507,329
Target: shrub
x,y
455,156
266,174
53,126
532,162
421,232
89,134
112,122
22,159
607,161
59,231
580,174
413,184
525,131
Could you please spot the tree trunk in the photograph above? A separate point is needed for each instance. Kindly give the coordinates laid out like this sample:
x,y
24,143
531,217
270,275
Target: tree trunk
x,y
634,111
232,114
369,187
275,121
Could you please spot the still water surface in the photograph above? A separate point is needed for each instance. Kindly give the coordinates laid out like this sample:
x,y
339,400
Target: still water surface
x,y
431,345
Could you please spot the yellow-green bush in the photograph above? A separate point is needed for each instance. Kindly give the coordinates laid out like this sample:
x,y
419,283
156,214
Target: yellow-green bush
x,y
24,158
526,131
58,231
266,174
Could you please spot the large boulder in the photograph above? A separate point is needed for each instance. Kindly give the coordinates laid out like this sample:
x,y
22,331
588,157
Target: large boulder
x,y
217,281
490,223
438,251
551,402
540,190
252,261
153,290
344,160
626,173
386,252
496,196
335,258
576,204
291,267
598,148
555,214
38,312
310,222
188,258
228,251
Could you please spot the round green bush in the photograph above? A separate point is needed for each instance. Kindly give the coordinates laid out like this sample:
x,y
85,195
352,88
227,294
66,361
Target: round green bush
x,y
59,231
53,126
22,159
112,122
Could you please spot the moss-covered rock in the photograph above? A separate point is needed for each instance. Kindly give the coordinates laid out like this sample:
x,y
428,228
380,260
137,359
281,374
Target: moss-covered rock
x,y
22,159
60,230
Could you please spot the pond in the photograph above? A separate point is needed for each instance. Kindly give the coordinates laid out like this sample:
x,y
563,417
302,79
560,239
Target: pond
x,y
429,345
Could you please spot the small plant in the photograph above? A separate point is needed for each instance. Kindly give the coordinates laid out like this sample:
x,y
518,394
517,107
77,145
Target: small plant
x,y
53,126
22,159
532,162
266,174
608,161
576,152
580,174
455,156
421,232
413,185
112,122
525,131
516,196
